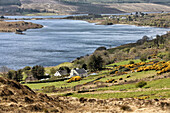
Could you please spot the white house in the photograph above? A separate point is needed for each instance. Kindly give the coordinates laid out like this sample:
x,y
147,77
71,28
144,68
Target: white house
x,y
78,72
123,18
61,73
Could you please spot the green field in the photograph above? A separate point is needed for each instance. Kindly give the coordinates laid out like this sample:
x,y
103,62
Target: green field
x,y
159,88
151,94
162,83
61,83
153,89
124,62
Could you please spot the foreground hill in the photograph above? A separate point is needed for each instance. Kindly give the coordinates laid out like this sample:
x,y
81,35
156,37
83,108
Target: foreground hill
x,y
15,97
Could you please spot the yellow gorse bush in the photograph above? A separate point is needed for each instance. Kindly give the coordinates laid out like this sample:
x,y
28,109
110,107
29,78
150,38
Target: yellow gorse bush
x,y
110,81
161,67
73,79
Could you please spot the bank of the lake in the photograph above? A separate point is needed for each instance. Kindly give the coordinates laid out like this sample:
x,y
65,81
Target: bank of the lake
x,y
139,19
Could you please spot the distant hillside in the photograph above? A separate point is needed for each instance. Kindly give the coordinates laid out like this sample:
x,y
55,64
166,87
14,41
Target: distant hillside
x,y
10,2
166,2
14,7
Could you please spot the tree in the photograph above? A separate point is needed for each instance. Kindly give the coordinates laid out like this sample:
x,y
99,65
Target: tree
x,y
52,71
15,75
10,74
95,63
141,84
143,58
99,63
27,68
91,64
38,71
84,66
65,68
168,56
129,18
19,75
131,62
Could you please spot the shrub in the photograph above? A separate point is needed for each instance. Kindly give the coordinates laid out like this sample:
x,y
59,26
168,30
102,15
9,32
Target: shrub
x,y
168,56
48,89
27,68
110,81
113,72
67,94
74,79
125,108
143,58
128,76
120,78
52,71
133,50
125,69
141,84
149,57
131,62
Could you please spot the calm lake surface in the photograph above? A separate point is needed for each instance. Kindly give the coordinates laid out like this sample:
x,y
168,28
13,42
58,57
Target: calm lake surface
x,y
64,40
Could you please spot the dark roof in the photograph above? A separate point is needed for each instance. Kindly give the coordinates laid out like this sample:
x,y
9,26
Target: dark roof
x,y
63,72
81,71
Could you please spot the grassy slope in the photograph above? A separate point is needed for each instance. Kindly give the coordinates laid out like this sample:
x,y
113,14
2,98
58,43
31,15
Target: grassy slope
x,y
124,62
162,83
151,94
130,90
154,89
61,83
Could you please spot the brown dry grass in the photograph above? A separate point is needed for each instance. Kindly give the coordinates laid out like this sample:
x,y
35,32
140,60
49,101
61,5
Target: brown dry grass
x,y
12,26
139,7
64,8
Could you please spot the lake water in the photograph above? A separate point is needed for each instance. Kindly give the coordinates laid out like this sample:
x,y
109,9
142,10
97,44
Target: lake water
x,y
64,40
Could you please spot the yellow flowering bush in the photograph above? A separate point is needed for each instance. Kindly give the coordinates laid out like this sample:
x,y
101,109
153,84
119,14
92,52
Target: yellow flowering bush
x,y
73,79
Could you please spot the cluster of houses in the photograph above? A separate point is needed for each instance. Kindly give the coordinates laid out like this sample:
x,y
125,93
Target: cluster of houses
x,y
136,14
63,73
74,72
